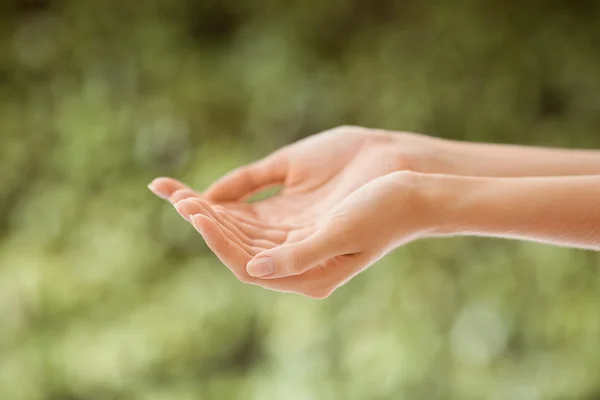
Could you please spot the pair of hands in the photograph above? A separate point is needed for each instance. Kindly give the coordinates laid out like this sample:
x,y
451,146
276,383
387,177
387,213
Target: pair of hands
x,y
349,197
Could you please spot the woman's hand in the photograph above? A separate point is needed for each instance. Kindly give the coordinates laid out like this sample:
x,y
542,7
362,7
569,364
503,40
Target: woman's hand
x,y
344,203
322,169
316,173
342,241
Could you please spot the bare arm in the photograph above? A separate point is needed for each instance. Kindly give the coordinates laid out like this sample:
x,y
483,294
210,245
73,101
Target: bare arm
x,y
353,194
557,210
393,210
358,155
502,160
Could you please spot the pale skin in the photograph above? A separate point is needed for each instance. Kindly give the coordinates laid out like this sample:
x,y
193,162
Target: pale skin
x,y
351,195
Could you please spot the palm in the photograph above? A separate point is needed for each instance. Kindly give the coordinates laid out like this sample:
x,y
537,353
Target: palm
x,y
320,176
236,241
334,247
316,173
322,171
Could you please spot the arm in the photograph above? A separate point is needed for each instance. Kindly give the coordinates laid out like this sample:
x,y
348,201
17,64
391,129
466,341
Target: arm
x,y
558,210
358,155
404,206
499,160
345,205
390,211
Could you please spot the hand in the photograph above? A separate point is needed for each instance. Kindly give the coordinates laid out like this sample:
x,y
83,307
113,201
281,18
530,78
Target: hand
x,y
347,238
316,173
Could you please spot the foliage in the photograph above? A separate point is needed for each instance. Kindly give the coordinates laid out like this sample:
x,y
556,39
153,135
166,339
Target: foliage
x,y
106,294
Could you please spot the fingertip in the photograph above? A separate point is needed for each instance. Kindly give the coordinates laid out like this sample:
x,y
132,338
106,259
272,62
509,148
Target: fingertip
x,y
260,266
160,179
165,187
186,208
164,182
156,188
180,211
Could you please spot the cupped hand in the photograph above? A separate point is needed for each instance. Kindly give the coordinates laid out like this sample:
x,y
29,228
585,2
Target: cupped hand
x,y
344,240
316,173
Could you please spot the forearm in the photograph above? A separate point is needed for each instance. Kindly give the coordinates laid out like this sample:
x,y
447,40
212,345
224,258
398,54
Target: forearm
x,y
499,160
561,210
514,161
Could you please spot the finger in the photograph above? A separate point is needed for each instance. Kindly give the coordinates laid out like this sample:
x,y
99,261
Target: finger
x,y
293,211
268,234
247,180
254,240
250,218
228,252
165,187
235,259
296,258
297,235
272,237
284,233
183,194
187,208
190,207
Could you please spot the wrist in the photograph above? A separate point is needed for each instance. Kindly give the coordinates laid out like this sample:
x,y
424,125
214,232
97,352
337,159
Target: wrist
x,y
465,205
433,201
427,154
434,205
448,201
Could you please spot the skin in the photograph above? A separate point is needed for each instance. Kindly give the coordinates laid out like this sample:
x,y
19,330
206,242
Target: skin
x,y
351,195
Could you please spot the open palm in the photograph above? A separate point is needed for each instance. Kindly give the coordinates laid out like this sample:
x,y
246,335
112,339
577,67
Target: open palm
x,y
315,173
329,180
347,238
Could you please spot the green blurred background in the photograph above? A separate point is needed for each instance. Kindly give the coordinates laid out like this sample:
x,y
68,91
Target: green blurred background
x,y
105,293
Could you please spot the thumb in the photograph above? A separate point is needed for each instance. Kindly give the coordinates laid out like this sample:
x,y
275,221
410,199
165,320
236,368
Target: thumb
x,y
295,258
247,180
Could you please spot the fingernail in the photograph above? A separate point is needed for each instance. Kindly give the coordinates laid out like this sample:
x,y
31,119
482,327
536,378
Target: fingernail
x,y
261,267
181,209
156,192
